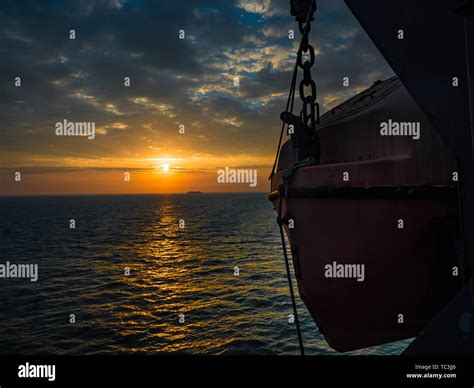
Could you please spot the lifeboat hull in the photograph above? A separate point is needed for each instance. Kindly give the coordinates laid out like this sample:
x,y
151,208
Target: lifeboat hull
x,y
384,206
408,272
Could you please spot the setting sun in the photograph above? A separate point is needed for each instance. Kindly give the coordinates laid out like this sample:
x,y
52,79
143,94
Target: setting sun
x,y
166,167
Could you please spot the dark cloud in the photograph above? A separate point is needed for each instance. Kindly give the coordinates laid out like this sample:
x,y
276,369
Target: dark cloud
x,y
172,80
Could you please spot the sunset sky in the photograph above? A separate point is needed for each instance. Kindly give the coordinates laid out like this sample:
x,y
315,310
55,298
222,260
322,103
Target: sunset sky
x,y
173,82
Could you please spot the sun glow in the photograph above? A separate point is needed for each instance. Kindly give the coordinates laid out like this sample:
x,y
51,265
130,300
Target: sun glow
x,y
162,165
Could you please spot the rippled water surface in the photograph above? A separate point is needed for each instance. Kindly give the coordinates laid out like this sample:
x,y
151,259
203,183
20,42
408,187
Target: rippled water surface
x,y
173,271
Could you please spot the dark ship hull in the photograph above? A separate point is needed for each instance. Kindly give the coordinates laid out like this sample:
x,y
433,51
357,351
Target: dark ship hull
x,y
388,203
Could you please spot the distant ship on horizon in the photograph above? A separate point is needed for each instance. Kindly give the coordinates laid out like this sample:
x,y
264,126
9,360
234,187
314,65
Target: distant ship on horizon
x,y
194,192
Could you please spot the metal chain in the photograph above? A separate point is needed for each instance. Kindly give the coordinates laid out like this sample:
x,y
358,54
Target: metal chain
x,y
304,19
310,112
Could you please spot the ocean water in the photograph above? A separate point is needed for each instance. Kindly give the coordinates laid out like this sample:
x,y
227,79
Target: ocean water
x,y
173,271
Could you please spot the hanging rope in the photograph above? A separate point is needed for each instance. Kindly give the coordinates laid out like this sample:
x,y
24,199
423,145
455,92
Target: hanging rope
x,y
288,273
289,104
282,189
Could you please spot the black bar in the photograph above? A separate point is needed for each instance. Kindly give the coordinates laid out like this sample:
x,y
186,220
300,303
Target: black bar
x,y
321,371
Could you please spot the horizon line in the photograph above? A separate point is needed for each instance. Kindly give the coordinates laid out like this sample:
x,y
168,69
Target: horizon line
x,y
123,194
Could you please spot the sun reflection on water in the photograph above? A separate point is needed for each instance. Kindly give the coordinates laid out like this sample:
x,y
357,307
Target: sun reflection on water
x,y
173,271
